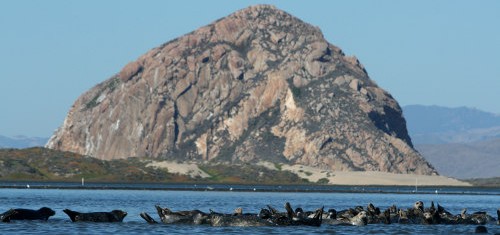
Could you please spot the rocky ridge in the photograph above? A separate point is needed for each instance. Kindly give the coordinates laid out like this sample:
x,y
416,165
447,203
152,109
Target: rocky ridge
x,y
258,84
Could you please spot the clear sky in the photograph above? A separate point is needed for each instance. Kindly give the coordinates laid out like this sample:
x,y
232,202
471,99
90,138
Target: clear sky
x,y
427,52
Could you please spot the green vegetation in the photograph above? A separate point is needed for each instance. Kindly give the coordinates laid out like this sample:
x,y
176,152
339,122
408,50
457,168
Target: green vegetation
x,y
296,92
486,182
92,103
323,181
278,166
110,86
246,173
49,165
41,164
113,83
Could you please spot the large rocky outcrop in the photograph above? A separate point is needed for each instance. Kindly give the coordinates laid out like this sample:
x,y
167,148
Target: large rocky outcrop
x,y
259,84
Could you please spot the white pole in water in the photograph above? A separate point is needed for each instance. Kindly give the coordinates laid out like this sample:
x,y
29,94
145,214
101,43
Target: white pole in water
x,y
83,181
416,184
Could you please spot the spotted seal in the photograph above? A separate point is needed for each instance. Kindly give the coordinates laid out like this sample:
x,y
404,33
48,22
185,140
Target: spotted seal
x,y
113,216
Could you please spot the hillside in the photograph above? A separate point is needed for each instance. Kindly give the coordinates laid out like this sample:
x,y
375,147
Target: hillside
x,y
21,141
464,160
439,125
460,142
40,164
257,85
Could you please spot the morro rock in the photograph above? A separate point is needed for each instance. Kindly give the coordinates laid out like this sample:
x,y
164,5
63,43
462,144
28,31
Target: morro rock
x,y
257,85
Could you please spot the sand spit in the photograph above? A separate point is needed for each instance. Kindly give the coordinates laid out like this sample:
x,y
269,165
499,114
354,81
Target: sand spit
x,y
370,177
190,169
334,177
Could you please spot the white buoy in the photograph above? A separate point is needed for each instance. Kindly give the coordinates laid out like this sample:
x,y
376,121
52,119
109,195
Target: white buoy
x,y
27,186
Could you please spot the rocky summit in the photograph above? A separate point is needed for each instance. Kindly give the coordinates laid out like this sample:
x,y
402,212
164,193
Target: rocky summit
x,y
257,85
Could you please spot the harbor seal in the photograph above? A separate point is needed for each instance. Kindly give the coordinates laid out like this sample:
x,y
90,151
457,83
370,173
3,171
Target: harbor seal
x,y
419,205
244,220
294,219
27,214
360,219
113,216
168,216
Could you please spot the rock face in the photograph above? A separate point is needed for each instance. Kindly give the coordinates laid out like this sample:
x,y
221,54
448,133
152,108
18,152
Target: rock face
x,y
256,85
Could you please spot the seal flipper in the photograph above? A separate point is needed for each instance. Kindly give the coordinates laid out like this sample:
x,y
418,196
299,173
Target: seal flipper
x,y
290,213
387,216
319,213
72,214
441,209
318,217
432,209
148,218
498,216
159,210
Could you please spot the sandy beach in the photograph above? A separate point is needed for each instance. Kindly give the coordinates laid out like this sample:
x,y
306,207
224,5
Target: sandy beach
x,y
333,177
371,177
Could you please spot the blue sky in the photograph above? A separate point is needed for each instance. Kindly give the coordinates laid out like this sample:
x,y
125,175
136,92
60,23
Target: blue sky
x,y
423,52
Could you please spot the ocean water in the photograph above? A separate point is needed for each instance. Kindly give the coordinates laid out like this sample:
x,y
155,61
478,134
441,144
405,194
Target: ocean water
x,y
135,201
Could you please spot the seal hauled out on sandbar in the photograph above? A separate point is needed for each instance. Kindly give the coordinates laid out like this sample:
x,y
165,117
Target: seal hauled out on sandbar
x,y
27,214
113,216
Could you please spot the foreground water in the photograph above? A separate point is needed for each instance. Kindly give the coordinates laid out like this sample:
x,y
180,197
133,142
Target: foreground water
x,y
136,201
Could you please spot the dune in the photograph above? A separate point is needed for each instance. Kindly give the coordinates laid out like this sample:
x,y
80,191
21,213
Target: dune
x,y
371,177
190,169
334,177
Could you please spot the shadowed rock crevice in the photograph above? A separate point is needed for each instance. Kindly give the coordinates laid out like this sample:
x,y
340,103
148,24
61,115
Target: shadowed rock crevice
x,y
391,122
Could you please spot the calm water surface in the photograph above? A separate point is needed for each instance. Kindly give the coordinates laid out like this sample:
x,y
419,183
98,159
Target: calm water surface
x,y
136,201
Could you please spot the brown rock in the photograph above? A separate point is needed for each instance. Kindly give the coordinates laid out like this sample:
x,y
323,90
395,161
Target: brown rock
x,y
256,85
130,70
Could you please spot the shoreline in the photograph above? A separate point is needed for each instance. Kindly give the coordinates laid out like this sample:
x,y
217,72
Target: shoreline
x,y
313,174
383,189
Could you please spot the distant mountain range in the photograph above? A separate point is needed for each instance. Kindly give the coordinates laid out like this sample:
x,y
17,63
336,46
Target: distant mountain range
x,y
464,160
459,142
439,125
21,141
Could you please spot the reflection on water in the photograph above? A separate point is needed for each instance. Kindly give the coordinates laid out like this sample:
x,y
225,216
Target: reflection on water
x,y
137,201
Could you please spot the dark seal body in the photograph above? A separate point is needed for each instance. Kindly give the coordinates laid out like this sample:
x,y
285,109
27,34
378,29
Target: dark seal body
x,y
113,216
5,217
27,214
